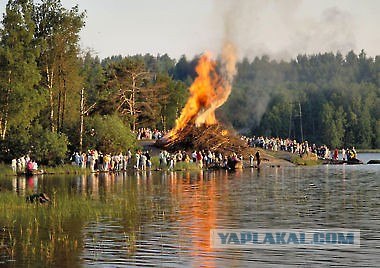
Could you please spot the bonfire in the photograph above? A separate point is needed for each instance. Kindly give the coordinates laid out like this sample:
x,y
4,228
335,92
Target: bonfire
x,y
197,128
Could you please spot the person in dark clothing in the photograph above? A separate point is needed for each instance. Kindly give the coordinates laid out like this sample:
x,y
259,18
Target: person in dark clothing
x,y
258,160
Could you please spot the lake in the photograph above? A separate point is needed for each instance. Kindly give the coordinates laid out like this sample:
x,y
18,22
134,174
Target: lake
x,y
164,218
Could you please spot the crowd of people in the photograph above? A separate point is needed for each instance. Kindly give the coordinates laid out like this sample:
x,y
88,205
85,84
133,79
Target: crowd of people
x,y
97,161
201,158
300,148
147,133
24,164
142,160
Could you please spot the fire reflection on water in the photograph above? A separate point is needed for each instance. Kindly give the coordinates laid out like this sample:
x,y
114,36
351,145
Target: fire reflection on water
x,y
165,217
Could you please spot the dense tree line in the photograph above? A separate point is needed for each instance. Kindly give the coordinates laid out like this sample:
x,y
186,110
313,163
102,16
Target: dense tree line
x,y
326,99
55,97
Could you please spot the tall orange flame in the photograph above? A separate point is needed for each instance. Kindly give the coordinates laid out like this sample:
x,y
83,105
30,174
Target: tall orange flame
x,y
209,90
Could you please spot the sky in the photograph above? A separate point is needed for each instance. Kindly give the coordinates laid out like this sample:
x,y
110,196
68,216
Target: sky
x,y
281,29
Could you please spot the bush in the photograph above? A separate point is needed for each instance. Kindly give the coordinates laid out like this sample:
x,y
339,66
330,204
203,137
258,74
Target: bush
x,y
108,134
48,147
42,145
15,145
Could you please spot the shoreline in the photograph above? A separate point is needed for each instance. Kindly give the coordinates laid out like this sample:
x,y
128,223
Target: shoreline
x,y
269,159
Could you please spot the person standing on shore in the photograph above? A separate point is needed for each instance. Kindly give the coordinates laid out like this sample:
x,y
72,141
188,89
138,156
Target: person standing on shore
x,y
344,154
137,160
14,165
200,159
129,156
251,160
336,154
258,160
355,155
143,160
92,162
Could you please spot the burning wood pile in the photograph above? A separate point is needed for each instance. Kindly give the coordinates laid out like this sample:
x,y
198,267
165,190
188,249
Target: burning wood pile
x,y
197,127
205,137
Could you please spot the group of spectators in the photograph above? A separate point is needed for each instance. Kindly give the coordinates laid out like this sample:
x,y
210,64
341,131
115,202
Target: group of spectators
x,y
142,160
289,145
23,164
202,158
147,133
300,148
97,161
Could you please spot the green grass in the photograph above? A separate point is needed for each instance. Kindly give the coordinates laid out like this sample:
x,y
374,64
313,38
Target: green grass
x,y
304,162
64,169
46,232
6,170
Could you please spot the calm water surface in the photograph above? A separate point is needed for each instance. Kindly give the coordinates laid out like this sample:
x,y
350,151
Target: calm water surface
x,y
173,212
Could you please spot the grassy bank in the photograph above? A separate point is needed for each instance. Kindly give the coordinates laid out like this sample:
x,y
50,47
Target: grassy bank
x,y
297,160
65,169
6,170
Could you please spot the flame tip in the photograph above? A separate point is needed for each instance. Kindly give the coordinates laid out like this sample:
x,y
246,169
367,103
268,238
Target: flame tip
x,y
209,90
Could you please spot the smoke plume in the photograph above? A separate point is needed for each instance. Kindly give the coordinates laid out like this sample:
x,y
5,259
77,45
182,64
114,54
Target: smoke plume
x,y
282,29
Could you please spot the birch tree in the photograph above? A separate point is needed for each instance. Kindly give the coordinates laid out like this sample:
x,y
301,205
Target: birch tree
x,y
57,34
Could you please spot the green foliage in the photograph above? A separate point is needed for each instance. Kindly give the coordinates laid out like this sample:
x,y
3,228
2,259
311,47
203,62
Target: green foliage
x,y
57,36
64,169
333,123
16,144
377,134
140,96
185,70
6,170
295,159
48,147
109,134
41,144
93,74
173,95
339,99
20,102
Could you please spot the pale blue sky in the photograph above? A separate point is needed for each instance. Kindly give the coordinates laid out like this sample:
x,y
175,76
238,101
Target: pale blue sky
x,y
281,29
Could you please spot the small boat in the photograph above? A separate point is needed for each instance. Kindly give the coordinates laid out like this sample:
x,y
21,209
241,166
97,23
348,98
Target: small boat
x,y
373,162
352,161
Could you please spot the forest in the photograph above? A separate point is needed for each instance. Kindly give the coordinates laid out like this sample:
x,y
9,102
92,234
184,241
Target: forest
x,y
57,98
